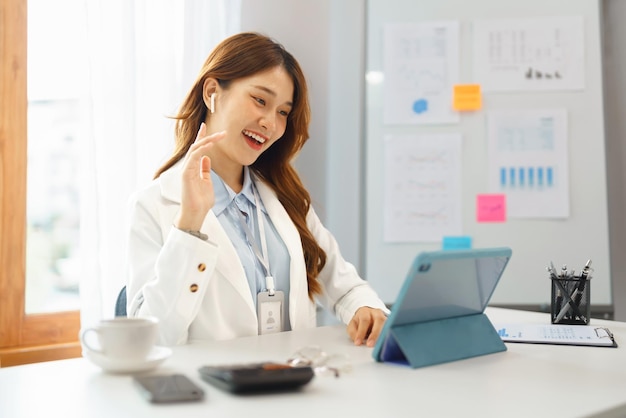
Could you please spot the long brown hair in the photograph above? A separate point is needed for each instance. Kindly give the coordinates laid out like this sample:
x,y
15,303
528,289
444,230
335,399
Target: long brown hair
x,y
243,55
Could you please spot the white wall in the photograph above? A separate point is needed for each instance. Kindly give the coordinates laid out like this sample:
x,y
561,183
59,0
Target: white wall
x,y
614,13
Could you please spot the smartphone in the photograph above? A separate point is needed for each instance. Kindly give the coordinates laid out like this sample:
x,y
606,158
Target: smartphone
x,y
256,377
168,388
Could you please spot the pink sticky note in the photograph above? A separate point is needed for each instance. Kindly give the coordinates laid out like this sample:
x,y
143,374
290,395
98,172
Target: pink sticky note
x,y
491,208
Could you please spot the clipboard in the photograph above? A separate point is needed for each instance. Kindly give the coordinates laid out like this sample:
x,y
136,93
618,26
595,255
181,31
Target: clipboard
x,y
557,334
439,314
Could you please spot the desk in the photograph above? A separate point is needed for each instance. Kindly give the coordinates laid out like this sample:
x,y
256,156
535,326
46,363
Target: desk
x,y
527,380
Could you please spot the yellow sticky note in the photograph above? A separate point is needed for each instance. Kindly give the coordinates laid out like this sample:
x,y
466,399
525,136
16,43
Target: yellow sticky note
x,y
467,97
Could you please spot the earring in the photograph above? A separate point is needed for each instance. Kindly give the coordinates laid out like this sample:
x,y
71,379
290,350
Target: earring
x,y
212,106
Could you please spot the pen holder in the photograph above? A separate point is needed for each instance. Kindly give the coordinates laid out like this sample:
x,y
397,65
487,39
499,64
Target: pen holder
x,y
571,300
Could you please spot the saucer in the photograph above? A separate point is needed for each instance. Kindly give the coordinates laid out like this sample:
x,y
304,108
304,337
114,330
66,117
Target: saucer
x,y
157,356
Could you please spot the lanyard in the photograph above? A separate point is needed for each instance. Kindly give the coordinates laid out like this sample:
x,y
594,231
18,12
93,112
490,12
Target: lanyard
x,y
261,255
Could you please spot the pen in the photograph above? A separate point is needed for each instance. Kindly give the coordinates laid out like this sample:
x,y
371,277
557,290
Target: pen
x,y
559,297
559,300
552,272
584,276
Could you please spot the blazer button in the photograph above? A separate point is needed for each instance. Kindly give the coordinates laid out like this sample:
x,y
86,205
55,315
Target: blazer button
x,y
193,288
201,267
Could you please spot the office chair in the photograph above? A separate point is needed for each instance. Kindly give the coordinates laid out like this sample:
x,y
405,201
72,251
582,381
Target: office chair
x,y
120,303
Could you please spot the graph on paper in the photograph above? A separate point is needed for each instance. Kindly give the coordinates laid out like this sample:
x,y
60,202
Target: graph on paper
x,y
422,187
542,53
421,64
536,178
528,161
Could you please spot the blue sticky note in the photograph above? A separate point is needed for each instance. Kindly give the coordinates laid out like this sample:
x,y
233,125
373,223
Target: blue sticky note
x,y
457,243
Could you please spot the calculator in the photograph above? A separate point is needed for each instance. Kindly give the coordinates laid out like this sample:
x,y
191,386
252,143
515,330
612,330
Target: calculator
x,y
256,377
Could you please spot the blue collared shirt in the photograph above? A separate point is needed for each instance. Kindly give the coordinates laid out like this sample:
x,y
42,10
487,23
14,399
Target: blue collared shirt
x,y
226,208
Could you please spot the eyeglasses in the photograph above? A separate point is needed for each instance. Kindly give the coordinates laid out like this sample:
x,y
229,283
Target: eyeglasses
x,y
321,362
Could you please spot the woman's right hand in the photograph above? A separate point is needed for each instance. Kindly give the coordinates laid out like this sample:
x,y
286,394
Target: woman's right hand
x,y
197,188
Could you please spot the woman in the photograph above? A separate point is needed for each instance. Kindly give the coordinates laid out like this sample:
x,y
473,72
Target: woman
x,y
224,242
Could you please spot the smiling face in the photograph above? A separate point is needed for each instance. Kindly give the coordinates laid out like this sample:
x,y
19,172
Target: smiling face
x,y
253,111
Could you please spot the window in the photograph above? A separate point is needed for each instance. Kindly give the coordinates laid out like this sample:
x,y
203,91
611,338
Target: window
x,y
57,102
24,338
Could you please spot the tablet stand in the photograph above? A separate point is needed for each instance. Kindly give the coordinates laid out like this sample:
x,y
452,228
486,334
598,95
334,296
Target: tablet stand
x,y
426,343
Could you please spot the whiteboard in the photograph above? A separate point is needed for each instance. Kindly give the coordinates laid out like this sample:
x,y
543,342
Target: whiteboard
x,y
570,240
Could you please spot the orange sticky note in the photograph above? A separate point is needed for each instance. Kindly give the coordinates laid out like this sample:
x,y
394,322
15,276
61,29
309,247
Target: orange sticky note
x,y
491,208
467,97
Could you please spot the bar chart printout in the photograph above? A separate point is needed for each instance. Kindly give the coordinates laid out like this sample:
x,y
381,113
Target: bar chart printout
x,y
528,161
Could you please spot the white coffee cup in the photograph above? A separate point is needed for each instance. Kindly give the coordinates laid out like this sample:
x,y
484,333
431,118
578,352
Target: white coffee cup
x,y
121,338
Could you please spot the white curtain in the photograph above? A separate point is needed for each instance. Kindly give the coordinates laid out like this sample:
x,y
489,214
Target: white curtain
x,y
143,57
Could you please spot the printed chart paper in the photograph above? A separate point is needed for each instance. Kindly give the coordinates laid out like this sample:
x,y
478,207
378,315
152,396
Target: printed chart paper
x,y
556,334
528,161
422,187
530,54
421,64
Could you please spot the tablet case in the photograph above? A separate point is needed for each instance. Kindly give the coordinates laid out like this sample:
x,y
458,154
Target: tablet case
x,y
438,315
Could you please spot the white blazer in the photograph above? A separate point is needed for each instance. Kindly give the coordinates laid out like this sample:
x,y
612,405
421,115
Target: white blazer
x,y
198,289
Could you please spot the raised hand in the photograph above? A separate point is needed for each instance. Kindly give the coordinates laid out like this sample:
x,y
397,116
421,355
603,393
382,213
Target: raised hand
x,y
197,188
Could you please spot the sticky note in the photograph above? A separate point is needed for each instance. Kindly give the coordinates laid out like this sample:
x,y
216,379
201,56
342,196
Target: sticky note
x,y
467,97
457,243
491,208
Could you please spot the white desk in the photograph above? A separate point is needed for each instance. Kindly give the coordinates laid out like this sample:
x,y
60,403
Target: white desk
x,y
525,381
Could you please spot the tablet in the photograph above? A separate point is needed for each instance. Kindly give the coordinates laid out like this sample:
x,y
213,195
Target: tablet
x,y
441,285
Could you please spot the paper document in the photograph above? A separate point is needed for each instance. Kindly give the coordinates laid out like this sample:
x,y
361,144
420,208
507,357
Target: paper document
x,y
421,67
544,53
556,334
422,187
528,161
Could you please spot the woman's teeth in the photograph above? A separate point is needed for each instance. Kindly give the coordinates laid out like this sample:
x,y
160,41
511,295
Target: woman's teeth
x,y
256,137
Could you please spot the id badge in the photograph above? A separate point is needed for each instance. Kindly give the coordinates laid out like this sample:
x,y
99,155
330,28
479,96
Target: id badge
x,y
270,312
